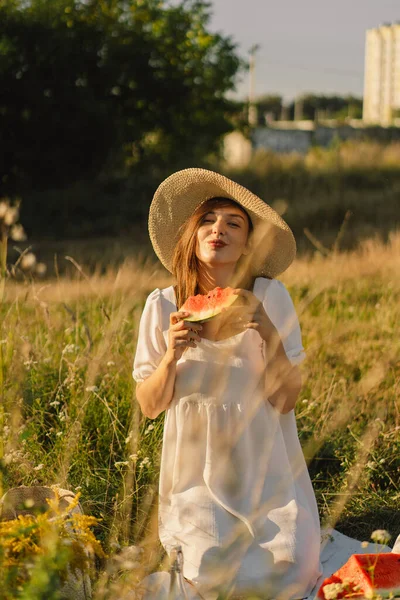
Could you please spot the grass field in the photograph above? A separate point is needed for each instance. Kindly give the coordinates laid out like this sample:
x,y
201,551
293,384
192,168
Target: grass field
x,y
69,416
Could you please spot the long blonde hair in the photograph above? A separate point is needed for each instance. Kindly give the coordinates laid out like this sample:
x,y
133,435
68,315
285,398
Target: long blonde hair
x,y
185,264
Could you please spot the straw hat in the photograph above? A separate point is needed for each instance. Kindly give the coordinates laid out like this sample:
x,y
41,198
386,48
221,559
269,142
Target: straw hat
x,y
178,196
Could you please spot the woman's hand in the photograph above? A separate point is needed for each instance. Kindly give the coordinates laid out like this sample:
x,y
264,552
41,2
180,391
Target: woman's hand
x,y
250,314
282,379
181,335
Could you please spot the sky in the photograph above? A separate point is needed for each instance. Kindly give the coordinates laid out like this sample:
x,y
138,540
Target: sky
x,y
305,45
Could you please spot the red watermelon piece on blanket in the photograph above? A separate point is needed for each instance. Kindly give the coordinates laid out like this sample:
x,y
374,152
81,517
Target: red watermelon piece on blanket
x,y
364,575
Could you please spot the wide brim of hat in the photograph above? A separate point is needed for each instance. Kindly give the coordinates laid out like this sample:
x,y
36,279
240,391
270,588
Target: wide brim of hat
x,y
179,195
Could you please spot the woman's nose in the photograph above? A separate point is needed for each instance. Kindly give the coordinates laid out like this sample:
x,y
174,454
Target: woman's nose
x,y
219,227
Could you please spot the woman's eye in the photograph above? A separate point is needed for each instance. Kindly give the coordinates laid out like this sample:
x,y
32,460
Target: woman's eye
x,y
208,221
234,224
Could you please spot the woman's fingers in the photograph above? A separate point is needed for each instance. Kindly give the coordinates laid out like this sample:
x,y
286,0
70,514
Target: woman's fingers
x,y
175,317
186,331
186,326
185,344
188,334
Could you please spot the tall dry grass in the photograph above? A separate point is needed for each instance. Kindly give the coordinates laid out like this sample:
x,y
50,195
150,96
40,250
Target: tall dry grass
x,y
66,351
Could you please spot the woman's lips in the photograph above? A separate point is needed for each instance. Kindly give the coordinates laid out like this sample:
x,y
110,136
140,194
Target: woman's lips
x,y
216,244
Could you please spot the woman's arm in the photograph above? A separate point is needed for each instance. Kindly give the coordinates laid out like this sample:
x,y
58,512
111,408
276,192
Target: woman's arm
x,y
282,379
155,393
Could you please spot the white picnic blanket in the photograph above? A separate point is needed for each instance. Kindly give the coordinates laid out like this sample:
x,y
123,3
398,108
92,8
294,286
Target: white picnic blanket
x,y
336,549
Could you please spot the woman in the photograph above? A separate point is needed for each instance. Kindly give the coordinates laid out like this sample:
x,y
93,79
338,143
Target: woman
x,y
234,487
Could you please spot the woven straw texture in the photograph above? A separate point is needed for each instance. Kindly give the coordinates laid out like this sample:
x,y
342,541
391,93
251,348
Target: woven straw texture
x,y
175,200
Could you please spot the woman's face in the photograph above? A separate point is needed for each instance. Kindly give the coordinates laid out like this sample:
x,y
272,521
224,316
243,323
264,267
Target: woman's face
x,y
222,236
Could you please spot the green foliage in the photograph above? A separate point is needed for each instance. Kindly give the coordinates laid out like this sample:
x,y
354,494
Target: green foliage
x,y
38,552
269,105
108,85
329,107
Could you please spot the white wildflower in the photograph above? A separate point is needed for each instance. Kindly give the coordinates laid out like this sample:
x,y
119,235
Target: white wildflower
x,y
29,363
92,388
70,349
332,590
55,403
380,536
364,544
145,462
18,233
150,428
28,261
121,463
59,433
39,467
133,457
11,215
111,363
128,439
41,269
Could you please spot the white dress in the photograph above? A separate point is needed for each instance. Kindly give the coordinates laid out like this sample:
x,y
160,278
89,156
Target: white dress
x,y
234,487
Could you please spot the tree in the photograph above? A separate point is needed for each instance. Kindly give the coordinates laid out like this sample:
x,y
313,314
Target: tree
x,y
330,107
88,85
269,106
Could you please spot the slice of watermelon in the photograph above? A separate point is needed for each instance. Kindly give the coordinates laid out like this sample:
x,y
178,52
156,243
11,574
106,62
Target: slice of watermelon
x,y
206,306
367,575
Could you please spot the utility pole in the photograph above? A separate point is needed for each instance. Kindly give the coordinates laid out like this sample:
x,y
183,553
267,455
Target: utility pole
x,y
298,108
252,115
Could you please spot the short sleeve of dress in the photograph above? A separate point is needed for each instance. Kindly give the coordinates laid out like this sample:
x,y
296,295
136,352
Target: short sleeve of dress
x,y
280,309
151,345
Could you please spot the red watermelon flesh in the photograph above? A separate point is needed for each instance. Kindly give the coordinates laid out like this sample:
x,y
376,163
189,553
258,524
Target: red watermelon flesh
x,y
368,575
206,306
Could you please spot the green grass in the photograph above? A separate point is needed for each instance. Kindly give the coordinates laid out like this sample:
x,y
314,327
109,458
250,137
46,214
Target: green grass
x,y
70,415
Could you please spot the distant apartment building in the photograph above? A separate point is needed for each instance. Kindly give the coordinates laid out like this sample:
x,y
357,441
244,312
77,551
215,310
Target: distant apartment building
x,y
382,75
